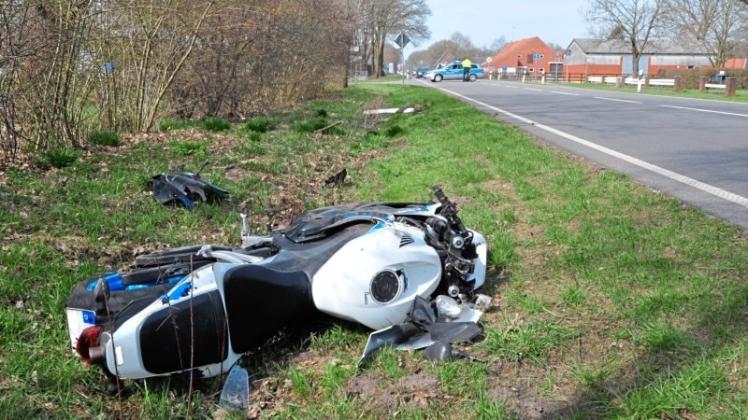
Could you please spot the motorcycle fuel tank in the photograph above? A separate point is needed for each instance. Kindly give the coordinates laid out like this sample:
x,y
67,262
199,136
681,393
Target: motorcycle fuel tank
x,y
374,278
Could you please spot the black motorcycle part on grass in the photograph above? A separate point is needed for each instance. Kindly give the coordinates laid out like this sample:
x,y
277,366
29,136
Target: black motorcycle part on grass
x,y
260,301
184,335
185,188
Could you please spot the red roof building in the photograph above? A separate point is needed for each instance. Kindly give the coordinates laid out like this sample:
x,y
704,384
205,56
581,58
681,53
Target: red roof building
x,y
526,56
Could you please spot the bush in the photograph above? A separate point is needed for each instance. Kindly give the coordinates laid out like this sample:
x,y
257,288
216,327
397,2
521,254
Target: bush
x,y
215,124
58,158
104,138
311,124
261,124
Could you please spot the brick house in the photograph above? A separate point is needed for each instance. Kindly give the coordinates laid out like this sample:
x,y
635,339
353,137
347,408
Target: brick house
x,y
525,56
613,57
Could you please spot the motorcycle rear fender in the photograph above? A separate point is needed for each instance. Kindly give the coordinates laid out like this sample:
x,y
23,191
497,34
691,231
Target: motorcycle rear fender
x,y
125,347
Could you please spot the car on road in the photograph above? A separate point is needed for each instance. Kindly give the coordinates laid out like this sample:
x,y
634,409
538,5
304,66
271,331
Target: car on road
x,y
420,71
454,71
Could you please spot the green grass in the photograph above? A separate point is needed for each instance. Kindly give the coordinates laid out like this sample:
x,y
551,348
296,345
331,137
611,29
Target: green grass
x,y
311,124
614,301
104,138
58,157
261,124
741,95
214,124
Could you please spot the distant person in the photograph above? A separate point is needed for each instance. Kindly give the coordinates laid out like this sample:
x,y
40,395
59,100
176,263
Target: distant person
x,y
466,66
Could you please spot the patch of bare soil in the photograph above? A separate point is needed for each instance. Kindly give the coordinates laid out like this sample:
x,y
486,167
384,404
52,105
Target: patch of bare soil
x,y
417,389
523,401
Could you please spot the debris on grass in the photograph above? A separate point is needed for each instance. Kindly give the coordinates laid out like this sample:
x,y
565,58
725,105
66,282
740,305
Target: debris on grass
x,y
328,127
408,110
185,188
235,393
338,178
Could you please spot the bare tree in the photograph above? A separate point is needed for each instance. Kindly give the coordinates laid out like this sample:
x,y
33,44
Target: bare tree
x,y
384,18
634,21
498,43
456,47
715,24
71,66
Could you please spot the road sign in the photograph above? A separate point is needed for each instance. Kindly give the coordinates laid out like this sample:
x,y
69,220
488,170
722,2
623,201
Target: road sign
x,y
402,40
489,60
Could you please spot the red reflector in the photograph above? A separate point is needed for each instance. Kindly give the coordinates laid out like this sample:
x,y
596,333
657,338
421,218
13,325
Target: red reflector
x,y
88,338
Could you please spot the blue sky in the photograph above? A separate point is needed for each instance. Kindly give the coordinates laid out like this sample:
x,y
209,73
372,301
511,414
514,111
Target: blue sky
x,y
485,20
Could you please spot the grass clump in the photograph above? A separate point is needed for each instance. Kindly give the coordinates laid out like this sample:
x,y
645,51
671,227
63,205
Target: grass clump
x,y
58,158
311,124
215,124
261,124
191,148
168,124
104,138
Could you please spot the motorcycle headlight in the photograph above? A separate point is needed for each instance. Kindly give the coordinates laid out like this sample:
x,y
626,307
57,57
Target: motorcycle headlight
x,y
385,286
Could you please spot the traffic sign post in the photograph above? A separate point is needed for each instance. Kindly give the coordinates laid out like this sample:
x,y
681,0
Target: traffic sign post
x,y
401,41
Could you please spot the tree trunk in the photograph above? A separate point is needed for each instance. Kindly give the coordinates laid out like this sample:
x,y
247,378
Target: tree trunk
x,y
380,59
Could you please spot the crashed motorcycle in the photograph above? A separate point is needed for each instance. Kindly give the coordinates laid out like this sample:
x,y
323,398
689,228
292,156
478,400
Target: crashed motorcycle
x,y
198,309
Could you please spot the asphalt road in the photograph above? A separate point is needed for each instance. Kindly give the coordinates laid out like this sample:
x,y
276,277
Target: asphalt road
x,y
696,150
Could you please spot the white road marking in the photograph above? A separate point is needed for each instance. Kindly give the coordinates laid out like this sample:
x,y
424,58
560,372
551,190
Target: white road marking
x,y
705,110
564,93
617,100
709,189
510,87
534,90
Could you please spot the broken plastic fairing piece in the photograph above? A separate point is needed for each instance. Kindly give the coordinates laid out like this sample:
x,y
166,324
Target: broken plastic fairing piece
x,y
235,393
390,336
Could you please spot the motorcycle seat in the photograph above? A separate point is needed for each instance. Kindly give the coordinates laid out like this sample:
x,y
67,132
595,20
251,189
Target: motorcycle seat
x,y
261,300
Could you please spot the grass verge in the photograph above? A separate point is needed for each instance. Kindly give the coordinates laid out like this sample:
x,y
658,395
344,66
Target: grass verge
x,y
613,301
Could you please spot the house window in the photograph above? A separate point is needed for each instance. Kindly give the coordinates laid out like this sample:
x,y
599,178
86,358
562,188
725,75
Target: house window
x,y
542,70
531,70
